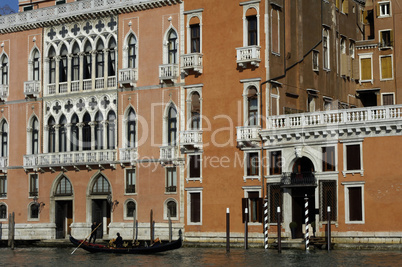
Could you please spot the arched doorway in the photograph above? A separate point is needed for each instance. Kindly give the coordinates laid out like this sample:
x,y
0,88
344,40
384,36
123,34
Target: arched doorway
x,y
100,207
303,185
63,199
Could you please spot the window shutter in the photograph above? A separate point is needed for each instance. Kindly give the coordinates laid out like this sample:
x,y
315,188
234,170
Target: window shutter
x,y
378,10
355,69
386,67
391,37
365,68
337,3
344,64
345,7
365,15
244,205
387,99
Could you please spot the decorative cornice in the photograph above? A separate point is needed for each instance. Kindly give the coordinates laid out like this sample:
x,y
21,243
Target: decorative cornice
x,y
80,10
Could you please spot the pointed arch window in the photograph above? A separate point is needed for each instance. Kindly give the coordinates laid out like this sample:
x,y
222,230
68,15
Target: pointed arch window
x,y
75,63
195,111
35,65
63,187
101,186
111,130
74,139
63,134
131,125
252,106
35,136
87,61
4,139
63,64
132,54
52,66
51,135
112,58
4,70
98,131
172,47
172,126
100,59
86,132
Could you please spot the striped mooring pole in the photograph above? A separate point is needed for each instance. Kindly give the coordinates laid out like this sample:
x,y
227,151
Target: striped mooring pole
x,y
266,224
306,221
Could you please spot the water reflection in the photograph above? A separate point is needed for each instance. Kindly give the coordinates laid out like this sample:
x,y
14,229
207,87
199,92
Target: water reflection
x,y
199,257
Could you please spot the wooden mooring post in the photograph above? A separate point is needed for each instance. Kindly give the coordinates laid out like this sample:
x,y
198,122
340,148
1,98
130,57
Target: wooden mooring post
x,y
11,230
227,230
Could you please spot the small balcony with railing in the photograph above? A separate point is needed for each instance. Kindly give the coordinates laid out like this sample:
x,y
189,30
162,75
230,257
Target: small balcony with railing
x,y
73,159
169,154
191,140
3,164
128,155
303,179
248,55
3,92
128,77
96,84
32,88
248,136
168,72
191,62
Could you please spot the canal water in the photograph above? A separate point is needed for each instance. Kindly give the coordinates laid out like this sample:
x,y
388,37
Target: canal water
x,y
199,257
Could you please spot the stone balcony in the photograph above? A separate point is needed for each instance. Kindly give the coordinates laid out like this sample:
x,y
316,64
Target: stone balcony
x,y
248,136
84,9
168,72
191,140
191,62
128,155
3,92
128,77
96,84
169,154
249,55
32,88
73,159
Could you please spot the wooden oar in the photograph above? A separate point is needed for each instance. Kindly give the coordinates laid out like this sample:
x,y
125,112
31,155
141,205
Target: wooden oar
x,y
86,238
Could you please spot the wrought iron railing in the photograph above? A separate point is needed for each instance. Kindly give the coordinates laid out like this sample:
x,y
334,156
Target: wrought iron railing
x,y
290,179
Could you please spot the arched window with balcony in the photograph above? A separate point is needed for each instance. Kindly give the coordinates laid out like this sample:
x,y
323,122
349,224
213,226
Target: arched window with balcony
x,y
75,64
87,68
63,64
252,106
111,130
132,52
195,111
4,139
62,134
86,132
4,70
51,123
35,65
112,58
131,128
98,131
74,137
172,125
172,47
100,59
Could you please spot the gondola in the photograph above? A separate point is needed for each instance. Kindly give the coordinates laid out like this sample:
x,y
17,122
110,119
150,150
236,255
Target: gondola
x,y
155,248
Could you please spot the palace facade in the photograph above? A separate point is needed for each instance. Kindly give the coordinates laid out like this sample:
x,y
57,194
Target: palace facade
x,y
173,111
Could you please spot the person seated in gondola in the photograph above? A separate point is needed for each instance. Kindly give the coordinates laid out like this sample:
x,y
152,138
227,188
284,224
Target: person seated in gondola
x,y
119,241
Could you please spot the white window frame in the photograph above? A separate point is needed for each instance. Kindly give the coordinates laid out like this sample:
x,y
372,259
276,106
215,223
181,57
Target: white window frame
x,y
191,14
326,54
252,177
166,177
315,60
246,190
125,209
347,185
126,48
335,157
188,169
246,6
190,191
165,209
190,90
247,84
383,15
390,93
392,67
381,45
364,56
345,170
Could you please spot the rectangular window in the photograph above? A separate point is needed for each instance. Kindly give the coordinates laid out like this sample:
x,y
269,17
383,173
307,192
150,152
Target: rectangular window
x,y
386,67
275,162
252,30
3,186
386,39
315,60
365,69
252,164
171,180
354,202
195,38
275,200
130,181
328,198
384,9
195,166
353,157
388,99
33,185
328,159
254,207
28,8
195,207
